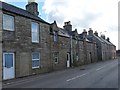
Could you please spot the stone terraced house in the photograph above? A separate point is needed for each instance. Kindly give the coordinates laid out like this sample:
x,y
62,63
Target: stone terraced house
x,y
29,45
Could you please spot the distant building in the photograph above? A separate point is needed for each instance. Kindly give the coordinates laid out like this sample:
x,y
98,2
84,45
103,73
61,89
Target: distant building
x,y
105,49
31,45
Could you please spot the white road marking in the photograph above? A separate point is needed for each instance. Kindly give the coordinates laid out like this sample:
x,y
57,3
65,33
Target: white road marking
x,y
7,83
104,66
28,80
88,72
77,77
100,68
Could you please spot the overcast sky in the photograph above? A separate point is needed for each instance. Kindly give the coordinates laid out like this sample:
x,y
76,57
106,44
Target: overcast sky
x,y
100,15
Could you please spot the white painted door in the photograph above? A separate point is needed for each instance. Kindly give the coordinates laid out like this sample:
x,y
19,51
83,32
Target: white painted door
x,y
68,60
8,66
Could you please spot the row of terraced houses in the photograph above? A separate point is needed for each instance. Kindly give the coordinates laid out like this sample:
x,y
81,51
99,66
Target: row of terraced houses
x,y
29,45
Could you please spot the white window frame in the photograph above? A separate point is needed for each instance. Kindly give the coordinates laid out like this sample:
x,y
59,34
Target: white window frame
x,y
36,60
35,41
55,36
13,23
5,53
56,58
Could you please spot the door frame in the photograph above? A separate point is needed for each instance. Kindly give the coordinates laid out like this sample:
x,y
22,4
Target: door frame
x,y
13,54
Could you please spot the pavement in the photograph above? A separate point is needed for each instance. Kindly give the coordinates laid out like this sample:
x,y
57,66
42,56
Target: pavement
x,y
96,75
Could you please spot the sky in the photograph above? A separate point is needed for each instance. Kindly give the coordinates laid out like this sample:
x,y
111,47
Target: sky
x,y
100,15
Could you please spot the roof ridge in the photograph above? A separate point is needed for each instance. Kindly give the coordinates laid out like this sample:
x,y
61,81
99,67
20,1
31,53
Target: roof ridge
x,y
20,11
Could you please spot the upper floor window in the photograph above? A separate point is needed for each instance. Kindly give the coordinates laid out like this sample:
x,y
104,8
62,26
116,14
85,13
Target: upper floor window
x,y
55,36
8,22
35,32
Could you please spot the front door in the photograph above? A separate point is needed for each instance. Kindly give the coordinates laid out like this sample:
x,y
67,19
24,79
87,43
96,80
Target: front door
x,y
68,60
8,66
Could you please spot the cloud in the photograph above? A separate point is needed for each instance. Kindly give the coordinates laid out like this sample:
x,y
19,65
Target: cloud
x,y
69,10
2,0
101,15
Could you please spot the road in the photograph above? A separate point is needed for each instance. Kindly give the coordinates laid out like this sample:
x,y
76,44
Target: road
x,y
95,75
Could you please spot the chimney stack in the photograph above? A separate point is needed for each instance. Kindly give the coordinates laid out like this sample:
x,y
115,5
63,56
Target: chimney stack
x,y
67,26
103,36
84,33
108,39
90,31
32,7
96,33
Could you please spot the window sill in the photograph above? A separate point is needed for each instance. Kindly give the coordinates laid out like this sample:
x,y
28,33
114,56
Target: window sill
x,y
8,30
56,62
35,42
35,67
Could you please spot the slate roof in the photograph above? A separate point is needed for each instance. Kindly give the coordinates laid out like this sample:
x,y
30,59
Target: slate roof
x,y
105,41
112,44
19,11
63,32
98,38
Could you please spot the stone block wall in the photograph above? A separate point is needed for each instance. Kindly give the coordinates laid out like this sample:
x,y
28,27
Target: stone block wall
x,y
62,47
19,42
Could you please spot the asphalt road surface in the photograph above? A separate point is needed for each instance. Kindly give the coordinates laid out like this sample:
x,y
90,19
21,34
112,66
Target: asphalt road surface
x,y
95,75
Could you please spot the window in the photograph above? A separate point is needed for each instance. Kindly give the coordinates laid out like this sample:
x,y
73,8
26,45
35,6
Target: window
x,y
35,60
8,57
55,36
8,22
56,58
35,32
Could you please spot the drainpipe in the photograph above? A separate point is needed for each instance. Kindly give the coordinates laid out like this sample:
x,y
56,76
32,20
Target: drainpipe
x,y
71,50
1,64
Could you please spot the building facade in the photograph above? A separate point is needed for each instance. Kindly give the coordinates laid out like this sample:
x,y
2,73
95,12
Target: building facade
x,y
30,45
105,49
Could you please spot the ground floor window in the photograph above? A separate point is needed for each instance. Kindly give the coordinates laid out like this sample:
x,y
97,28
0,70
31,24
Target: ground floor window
x,y
35,60
56,57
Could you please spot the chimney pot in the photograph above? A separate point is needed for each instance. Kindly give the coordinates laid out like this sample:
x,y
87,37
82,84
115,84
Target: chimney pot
x,y
67,26
96,33
90,31
108,39
103,36
30,1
